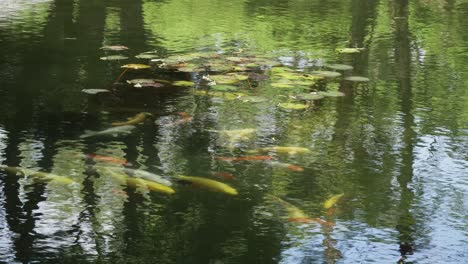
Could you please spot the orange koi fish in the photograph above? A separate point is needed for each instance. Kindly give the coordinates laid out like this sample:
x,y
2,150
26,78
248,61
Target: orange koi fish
x,y
108,159
224,175
245,158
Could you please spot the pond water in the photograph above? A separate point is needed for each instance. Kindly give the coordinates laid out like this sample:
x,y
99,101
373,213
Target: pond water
x,y
320,166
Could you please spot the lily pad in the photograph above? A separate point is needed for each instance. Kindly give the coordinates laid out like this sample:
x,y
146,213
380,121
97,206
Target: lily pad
x,y
183,83
326,74
113,57
257,76
140,81
148,85
253,99
293,106
282,85
229,78
189,67
340,67
136,66
357,79
146,56
332,93
237,59
350,50
114,47
307,96
225,88
94,91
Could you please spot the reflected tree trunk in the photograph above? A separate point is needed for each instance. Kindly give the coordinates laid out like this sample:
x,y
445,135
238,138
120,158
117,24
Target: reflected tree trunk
x,y
405,224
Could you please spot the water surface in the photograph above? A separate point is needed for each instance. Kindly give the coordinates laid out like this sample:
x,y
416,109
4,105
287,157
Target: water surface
x,y
396,146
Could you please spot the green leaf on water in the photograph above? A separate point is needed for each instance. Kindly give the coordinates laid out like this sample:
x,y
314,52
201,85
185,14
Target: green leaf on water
x,y
356,79
331,94
183,83
146,56
229,78
339,67
113,57
253,99
326,74
293,106
307,96
224,88
349,50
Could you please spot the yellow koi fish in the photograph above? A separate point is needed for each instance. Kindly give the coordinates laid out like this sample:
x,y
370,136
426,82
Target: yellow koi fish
x,y
210,184
137,182
154,186
296,215
289,150
332,201
37,174
138,118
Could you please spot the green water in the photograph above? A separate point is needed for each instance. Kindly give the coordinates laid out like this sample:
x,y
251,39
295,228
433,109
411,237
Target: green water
x,y
396,146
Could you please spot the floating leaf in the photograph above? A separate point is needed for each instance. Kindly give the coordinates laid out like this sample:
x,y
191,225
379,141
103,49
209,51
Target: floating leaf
x,y
136,66
331,94
229,78
224,88
113,57
146,56
115,48
140,81
257,76
153,85
224,95
293,106
307,96
282,85
340,67
253,99
350,50
189,67
183,83
326,74
356,79
237,59
94,91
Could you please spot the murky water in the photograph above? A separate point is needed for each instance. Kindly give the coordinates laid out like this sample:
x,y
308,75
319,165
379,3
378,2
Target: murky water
x,y
395,146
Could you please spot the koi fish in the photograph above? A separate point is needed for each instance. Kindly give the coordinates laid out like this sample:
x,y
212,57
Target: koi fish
x,y
210,184
288,166
183,120
224,175
244,158
137,182
183,114
114,131
108,159
288,150
332,201
138,174
297,215
154,186
119,192
37,174
138,118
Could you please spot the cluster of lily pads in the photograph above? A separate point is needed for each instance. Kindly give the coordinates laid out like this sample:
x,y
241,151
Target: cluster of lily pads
x,y
236,75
